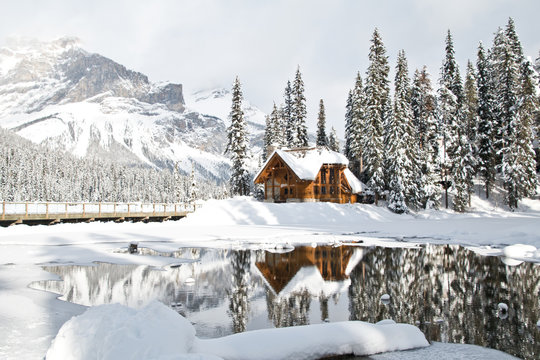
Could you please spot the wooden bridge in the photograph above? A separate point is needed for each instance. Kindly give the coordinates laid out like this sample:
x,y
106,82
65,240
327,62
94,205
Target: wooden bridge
x,y
34,213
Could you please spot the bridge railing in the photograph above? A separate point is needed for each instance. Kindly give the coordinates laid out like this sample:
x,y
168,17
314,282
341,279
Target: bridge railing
x,y
84,209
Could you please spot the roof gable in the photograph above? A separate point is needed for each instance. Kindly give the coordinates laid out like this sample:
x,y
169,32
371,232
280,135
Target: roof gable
x,y
306,162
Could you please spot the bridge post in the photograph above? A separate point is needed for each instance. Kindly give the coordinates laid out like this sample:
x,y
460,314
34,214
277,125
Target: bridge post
x,y
26,209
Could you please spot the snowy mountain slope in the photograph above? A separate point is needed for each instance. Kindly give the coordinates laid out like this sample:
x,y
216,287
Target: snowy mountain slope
x,y
217,102
58,94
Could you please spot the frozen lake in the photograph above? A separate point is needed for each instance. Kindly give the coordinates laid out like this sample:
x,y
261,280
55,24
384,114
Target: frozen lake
x,y
452,294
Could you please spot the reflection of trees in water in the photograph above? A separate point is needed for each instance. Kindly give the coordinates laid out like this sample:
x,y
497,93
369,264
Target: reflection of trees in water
x,y
238,295
453,294
290,310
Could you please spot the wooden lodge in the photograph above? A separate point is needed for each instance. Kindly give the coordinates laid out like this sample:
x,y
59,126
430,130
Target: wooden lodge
x,y
308,174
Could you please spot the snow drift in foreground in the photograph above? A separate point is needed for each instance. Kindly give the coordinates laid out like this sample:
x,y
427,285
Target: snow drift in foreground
x,y
157,332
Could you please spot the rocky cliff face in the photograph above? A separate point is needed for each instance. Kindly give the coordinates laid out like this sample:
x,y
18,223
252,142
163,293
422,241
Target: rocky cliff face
x,y
58,94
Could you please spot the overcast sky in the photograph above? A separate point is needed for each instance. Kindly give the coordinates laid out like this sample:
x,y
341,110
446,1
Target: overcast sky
x,y
206,43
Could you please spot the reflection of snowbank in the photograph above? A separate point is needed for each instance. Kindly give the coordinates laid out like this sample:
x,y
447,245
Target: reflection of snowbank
x,y
156,332
514,255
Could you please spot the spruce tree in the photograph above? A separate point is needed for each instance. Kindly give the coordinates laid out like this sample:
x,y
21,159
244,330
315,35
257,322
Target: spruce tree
x,y
348,123
378,108
517,104
272,131
299,111
322,139
486,121
457,150
401,157
357,127
470,126
333,142
425,135
287,114
237,144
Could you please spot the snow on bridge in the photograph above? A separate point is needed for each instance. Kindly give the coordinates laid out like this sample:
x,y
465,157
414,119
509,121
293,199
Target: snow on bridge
x,y
55,212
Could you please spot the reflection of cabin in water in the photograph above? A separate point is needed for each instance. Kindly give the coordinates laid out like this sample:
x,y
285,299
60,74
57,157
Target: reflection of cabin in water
x,y
334,264
308,174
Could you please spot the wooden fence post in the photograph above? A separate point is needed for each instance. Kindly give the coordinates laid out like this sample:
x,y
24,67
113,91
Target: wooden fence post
x,y
26,209
114,209
46,210
66,209
99,206
129,212
3,210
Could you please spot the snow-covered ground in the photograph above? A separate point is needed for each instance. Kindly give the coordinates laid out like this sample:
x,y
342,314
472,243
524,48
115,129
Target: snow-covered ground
x,y
31,319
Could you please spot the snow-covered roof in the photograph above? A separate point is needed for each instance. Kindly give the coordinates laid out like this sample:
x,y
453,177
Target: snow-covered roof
x,y
357,186
306,163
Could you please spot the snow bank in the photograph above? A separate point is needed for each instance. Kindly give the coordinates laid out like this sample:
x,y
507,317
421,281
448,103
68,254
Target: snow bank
x,y
119,332
315,341
157,332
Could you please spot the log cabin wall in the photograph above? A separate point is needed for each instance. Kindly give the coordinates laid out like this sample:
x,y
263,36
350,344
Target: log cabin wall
x,y
281,184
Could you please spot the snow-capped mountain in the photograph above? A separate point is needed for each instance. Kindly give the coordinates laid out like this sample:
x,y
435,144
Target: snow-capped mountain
x,y
58,94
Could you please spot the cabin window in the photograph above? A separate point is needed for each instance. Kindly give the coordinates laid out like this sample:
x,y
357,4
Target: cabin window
x,y
286,191
323,176
323,190
332,190
316,190
332,176
292,191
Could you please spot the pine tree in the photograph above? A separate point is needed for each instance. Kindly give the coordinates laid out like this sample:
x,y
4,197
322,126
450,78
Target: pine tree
x,y
237,144
378,108
451,98
322,139
348,123
517,104
357,127
299,111
470,127
400,154
272,131
486,121
287,114
333,142
425,134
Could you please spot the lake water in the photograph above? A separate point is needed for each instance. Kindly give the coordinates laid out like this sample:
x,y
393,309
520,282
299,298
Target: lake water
x,y
450,293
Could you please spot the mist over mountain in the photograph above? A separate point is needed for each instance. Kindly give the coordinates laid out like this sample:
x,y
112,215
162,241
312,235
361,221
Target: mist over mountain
x,y
58,94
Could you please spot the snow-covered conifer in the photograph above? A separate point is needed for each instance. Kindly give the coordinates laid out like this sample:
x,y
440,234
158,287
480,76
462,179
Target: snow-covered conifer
x,y
378,109
425,135
299,110
401,151
237,144
357,127
457,150
348,122
287,114
322,139
333,142
486,120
